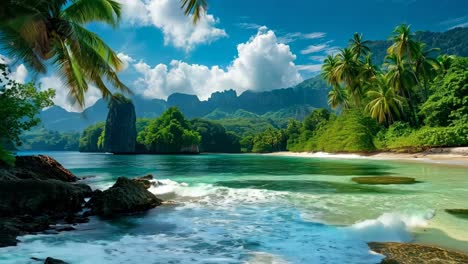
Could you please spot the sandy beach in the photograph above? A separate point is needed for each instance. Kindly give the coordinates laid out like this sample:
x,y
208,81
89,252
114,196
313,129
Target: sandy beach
x,y
449,156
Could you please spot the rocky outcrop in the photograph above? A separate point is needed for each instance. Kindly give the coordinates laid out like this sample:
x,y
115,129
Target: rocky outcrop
x,y
125,196
120,132
400,253
35,197
36,193
145,180
41,167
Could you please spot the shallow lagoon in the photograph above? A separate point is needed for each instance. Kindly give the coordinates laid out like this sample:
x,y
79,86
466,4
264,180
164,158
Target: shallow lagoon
x,y
259,209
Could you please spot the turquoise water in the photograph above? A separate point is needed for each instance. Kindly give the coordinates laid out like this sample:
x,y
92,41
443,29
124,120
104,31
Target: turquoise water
x,y
258,209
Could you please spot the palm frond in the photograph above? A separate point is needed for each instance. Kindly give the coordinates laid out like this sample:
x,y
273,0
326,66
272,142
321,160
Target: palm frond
x,y
85,11
196,8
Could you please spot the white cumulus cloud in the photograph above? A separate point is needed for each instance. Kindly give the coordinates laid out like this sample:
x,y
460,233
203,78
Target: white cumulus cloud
x,y
262,64
62,98
126,59
177,28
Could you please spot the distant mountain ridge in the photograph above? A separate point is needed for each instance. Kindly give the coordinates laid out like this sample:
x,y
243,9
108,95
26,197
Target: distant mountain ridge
x,y
311,93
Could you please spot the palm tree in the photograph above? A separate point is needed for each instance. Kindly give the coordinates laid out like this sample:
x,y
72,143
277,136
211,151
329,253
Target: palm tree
x,y
444,62
399,75
426,65
358,46
347,71
401,79
52,32
385,104
328,70
403,43
338,98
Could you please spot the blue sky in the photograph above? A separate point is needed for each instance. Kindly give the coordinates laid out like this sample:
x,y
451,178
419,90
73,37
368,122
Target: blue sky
x,y
249,44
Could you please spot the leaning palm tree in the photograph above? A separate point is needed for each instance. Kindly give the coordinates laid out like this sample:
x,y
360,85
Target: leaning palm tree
x,y
52,32
385,105
358,46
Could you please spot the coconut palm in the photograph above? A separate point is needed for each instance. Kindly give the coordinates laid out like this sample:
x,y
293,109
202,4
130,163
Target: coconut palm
x,y
347,71
358,46
403,43
399,75
52,32
444,62
338,98
385,104
328,69
402,80
425,65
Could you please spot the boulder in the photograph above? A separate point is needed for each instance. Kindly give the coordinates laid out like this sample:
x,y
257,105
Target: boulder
x,y
35,197
41,167
145,180
401,253
125,196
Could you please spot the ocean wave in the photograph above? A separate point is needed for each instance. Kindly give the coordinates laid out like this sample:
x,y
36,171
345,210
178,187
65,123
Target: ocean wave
x,y
390,227
211,195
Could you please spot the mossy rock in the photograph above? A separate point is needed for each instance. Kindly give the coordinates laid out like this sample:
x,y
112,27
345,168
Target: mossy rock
x,y
400,253
458,212
384,180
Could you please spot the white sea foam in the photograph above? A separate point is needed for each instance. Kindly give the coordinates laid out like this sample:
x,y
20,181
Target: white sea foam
x,y
390,227
208,194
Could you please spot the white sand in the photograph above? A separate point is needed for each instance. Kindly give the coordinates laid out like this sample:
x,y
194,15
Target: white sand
x,y
451,156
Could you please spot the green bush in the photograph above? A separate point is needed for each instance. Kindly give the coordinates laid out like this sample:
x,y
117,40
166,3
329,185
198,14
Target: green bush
x,y
352,131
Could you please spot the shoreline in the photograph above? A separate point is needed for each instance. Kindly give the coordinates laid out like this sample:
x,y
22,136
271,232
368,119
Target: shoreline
x,y
446,156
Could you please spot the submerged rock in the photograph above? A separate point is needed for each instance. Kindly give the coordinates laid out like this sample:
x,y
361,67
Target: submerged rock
x,y
458,212
384,180
50,260
125,196
401,253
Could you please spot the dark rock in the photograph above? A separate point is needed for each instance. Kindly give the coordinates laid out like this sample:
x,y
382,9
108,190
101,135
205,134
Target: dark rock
x,y
145,181
50,260
42,168
120,132
400,253
75,219
64,228
126,196
36,193
35,197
